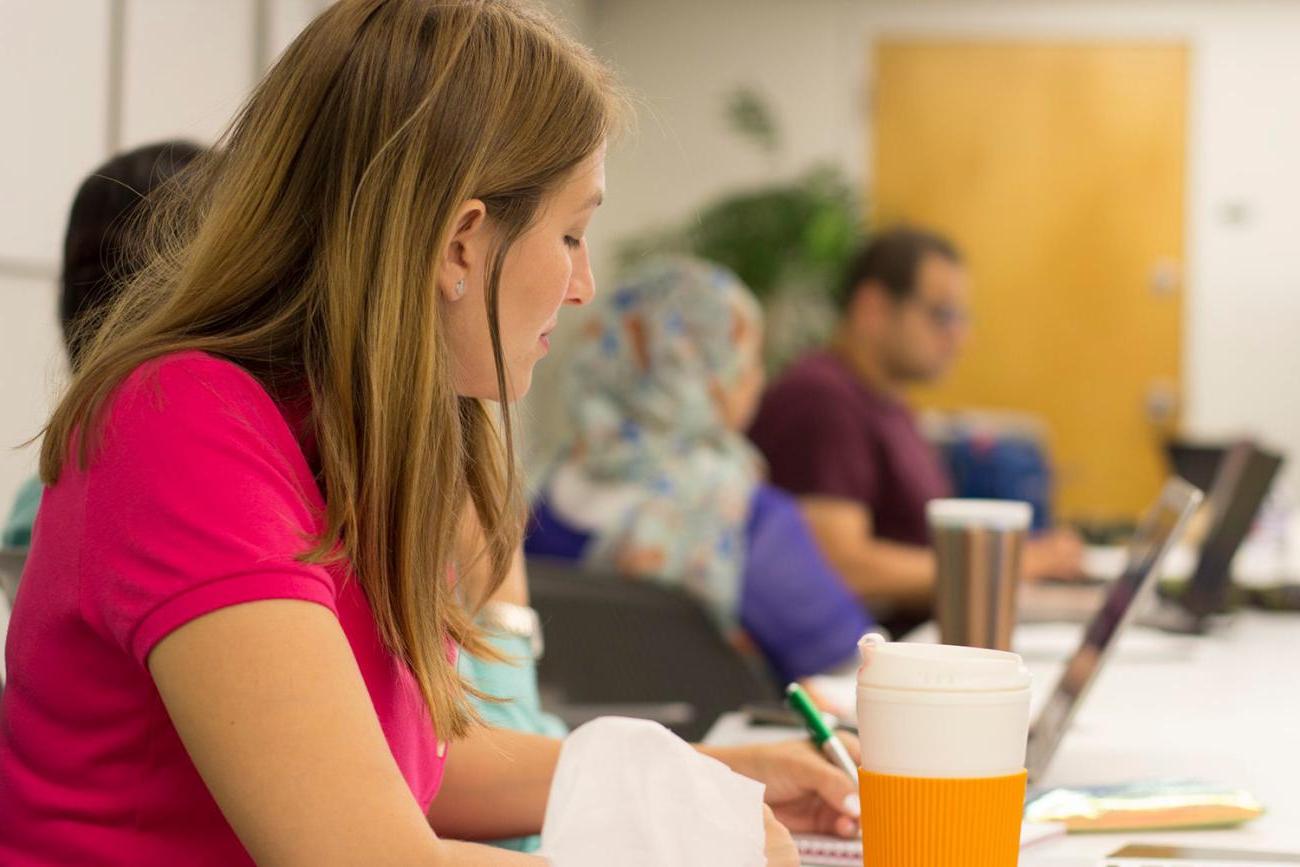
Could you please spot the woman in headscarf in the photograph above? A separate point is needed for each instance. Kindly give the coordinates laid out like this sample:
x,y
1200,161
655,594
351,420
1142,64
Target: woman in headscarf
x,y
658,483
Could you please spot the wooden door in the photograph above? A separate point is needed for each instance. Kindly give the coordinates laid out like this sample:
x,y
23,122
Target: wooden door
x,y
1059,170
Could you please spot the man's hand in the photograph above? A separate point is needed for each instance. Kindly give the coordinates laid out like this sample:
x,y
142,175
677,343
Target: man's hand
x,y
1055,554
805,791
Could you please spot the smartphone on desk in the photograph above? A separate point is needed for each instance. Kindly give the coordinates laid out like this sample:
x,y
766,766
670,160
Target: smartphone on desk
x,y
1141,855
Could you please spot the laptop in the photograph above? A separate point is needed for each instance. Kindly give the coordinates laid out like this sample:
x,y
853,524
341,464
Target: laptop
x,y
1241,476
1238,479
1157,532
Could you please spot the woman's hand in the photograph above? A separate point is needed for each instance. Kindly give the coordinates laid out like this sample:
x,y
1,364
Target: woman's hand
x,y
806,792
779,845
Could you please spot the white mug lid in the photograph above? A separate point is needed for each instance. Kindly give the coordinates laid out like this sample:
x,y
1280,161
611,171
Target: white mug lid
x,y
939,667
985,514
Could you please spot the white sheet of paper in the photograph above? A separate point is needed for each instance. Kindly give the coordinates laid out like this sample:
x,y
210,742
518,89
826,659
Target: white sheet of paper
x,y
630,792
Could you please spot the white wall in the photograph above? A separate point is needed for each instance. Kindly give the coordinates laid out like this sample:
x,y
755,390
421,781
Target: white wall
x,y
1242,355
187,66
53,110
189,63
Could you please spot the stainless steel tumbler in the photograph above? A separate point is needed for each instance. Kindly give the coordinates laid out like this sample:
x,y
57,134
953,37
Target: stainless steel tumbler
x,y
977,545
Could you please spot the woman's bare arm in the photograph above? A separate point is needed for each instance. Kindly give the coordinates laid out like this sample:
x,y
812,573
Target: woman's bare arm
x,y
496,785
271,706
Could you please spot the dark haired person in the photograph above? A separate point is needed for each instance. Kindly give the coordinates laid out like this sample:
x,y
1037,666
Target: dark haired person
x,y
98,257
837,432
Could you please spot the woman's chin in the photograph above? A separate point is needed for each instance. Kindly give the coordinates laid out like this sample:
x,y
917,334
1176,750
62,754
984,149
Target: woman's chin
x,y
516,389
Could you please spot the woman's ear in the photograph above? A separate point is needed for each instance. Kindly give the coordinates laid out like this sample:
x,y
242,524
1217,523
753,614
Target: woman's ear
x,y
465,254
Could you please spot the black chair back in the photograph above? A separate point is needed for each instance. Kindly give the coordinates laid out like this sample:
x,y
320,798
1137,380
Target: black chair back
x,y
637,648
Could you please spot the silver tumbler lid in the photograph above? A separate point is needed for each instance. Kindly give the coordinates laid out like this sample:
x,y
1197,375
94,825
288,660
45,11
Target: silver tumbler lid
x,y
1008,515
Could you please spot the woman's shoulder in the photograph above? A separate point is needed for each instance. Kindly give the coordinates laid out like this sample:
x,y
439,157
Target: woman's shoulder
x,y
177,374
187,403
188,384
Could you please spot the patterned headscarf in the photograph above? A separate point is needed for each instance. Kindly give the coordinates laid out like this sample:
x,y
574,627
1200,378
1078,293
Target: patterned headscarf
x,y
672,483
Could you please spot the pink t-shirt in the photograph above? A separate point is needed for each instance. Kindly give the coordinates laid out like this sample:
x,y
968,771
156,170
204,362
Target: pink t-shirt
x,y
200,498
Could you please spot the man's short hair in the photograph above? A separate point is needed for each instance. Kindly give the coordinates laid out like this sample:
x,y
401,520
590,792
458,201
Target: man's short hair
x,y
892,259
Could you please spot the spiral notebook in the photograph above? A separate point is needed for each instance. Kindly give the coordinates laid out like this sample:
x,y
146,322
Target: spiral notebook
x,y
828,851
818,851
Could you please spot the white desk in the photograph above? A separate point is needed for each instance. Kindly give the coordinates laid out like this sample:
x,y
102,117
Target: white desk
x,y
1225,708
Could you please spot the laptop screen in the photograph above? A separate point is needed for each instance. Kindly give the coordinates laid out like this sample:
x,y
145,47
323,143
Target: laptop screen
x,y
1242,480
1157,532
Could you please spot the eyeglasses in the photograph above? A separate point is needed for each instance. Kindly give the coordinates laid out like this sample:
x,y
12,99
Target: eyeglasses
x,y
945,317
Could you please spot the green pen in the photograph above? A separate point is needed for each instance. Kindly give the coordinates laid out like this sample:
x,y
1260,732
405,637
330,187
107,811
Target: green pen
x,y
819,731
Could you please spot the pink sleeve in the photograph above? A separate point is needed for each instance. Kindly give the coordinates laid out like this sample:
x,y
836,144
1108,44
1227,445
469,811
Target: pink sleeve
x,y
195,501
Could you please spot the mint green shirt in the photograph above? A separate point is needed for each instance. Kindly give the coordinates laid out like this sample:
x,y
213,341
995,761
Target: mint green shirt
x,y
18,526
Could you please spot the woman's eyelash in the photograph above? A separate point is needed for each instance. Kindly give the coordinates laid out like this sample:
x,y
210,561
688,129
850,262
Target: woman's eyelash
x,y
570,241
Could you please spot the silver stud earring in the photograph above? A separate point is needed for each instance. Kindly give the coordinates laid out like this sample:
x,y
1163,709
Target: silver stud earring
x,y
458,291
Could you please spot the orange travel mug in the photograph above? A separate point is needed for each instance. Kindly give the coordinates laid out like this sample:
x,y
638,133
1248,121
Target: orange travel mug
x,y
929,822
943,732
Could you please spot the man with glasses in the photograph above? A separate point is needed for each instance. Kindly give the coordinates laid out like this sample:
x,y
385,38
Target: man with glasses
x,y
837,432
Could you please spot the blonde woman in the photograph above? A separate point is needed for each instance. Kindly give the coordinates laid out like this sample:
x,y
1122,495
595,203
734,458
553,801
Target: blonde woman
x,y
235,639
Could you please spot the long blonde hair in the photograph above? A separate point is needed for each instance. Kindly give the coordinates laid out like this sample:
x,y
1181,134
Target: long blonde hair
x,y
304,249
